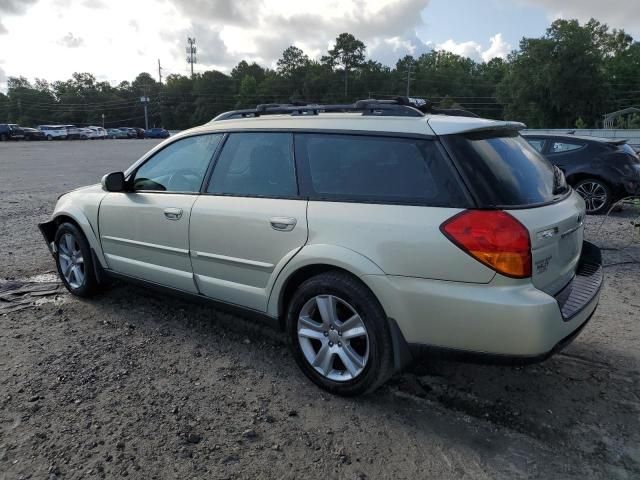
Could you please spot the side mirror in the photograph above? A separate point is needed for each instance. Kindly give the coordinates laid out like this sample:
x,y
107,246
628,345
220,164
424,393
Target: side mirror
x,y
113,182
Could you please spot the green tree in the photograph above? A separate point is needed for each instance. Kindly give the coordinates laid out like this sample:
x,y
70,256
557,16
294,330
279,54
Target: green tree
x,y
248,93
580,123
177,101
292,66
4,108
243,69
561,76
347,54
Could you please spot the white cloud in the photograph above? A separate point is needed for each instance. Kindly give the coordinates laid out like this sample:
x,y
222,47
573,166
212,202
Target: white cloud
x,y
498,48
119,39
475,51
616,13
71,41
13,7
468,49
260,30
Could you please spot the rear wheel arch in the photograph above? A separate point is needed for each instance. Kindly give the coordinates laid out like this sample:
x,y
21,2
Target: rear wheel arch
x,y
347,289
401,353
313,260
574,178
301,275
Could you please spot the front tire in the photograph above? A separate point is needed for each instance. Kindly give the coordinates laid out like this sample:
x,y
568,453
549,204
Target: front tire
x,y
339,334
596,194
74,261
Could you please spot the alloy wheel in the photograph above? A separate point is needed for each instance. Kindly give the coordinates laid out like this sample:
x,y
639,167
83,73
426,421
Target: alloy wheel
x,y
333,338
594,195
71,260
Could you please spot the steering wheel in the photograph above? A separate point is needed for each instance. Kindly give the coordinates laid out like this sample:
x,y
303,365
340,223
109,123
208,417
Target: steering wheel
x,y
183,180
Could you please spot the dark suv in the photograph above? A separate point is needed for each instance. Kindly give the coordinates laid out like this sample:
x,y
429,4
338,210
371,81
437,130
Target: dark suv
x,y
10,131
601,170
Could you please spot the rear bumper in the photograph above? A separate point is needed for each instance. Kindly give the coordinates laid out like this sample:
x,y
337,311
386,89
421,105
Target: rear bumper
x,y
507,320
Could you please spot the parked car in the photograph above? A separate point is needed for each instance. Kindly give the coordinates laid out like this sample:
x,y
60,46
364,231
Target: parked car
x,y
53,132
601,170
97,133
131,133
139,132
73,132
156,133
365,237
33,134
116,133
10,131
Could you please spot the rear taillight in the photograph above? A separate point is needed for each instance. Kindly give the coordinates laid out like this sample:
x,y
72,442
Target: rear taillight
x,y
494,238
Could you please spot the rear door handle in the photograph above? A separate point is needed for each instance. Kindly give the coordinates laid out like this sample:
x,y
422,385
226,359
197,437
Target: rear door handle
x,y
173,213
283,224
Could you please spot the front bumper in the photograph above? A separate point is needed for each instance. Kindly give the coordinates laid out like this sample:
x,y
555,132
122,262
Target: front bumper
x,y
48,230
505,319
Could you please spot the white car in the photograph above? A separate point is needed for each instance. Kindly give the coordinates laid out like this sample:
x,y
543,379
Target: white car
x,y
73,132
366,232
53,132
97,133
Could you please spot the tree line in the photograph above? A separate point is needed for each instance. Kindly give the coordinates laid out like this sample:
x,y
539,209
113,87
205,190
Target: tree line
x,y
569,77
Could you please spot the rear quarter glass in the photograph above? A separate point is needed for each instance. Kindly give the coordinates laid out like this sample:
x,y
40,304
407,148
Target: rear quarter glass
x,y
377,169
502,169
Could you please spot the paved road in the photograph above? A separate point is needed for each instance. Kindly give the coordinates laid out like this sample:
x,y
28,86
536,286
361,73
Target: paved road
x,y
140,384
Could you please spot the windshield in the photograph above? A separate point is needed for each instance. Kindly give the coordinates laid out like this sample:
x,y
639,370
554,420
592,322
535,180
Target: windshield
x,y
504,170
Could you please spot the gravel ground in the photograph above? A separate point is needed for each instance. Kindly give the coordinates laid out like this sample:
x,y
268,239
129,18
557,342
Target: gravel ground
x,y
137,384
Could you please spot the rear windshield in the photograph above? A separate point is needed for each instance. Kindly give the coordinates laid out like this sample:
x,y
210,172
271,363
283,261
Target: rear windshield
x,y
503,169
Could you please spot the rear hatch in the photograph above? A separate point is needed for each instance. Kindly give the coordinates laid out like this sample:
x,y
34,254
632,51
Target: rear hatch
x,y
504,172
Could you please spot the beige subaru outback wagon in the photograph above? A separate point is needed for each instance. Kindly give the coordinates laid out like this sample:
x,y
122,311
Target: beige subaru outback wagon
x,y
367,232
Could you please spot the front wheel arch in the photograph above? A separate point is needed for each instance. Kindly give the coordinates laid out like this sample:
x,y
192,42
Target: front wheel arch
x,y
85,275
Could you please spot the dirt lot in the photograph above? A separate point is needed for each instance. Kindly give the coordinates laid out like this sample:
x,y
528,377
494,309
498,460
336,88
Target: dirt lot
x,y
140,385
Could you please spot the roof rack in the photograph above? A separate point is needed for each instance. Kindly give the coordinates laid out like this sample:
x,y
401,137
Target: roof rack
x,y
394,106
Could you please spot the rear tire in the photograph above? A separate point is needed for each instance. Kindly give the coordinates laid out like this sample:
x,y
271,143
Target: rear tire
x,y
74,261
339,334
3,138
596,194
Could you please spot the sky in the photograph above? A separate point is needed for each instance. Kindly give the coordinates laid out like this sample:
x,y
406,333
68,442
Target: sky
x,y
117,39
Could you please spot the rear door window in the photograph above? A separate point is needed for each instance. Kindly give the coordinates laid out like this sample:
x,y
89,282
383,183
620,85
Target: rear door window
x,y
256,164
503,169
366,168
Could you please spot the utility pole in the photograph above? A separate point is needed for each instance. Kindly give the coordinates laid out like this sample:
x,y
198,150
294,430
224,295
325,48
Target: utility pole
x,y
409,78
160,72
191,52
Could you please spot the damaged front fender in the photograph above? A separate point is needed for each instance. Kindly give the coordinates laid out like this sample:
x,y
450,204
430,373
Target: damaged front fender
x,y
48,230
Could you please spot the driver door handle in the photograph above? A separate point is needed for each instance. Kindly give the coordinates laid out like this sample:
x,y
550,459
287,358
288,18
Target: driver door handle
x,y
173,213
